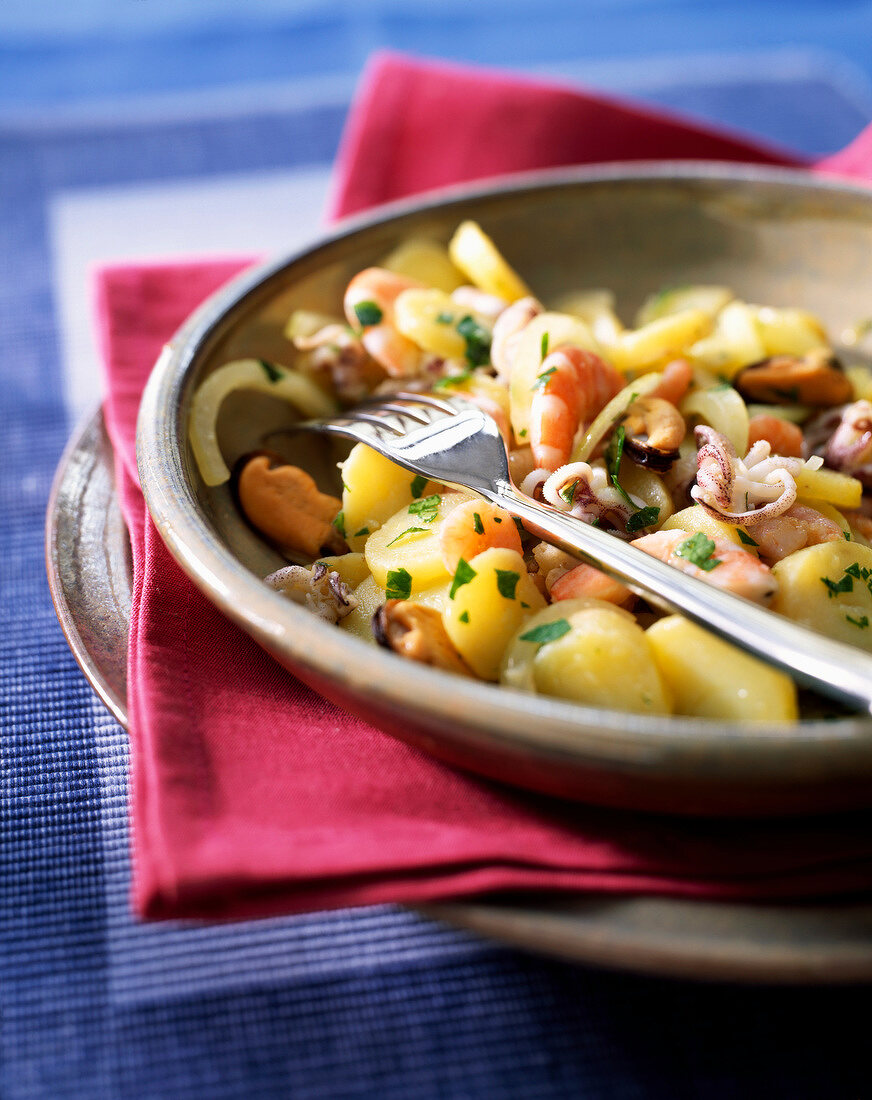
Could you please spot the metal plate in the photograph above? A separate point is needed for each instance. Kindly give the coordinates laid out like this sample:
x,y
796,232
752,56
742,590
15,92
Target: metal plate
x,y
88,562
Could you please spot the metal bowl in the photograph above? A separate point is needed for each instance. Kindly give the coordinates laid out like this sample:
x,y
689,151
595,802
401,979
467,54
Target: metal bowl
x,y
777,237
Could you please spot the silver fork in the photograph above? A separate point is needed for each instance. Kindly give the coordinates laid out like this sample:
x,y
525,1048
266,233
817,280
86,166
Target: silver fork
x,y
451,440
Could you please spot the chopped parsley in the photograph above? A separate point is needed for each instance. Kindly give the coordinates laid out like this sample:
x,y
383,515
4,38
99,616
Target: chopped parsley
x,y
399,584
498,519
522,434
444,317
419,483
477,339
567,492
362,531
547,632
507,582
542,379
645,517
543,346
404,534
339,523
368,313
464,616
427,508
860,572
477,525
272,372
835,588
452,380
745,537
698,550
862,622
463,574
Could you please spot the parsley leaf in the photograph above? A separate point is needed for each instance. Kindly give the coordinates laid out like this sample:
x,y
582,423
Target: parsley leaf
x,y
477,339
452,380
463,574
834,588
645,517
507,582
399,584
362,531
272,372
427,507
745,537
543,346
339,523
698,550
542,379
403,534
547,632
477,525
419,483
368,313
862,622
444,317
464,617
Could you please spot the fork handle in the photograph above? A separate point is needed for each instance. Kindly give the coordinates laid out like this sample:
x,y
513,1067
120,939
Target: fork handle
x,y
839,671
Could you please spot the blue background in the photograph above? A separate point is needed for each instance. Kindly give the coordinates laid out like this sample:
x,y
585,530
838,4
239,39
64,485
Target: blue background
x,y
376,1002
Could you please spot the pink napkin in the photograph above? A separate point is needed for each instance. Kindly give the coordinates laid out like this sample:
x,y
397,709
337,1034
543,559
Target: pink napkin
x,y
251,795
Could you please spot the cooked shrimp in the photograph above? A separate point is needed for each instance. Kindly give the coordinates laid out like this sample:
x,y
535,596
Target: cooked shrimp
x,y
796,528
369,305
726,567
573,386
507,332
585,580
677,376
473,527
783,437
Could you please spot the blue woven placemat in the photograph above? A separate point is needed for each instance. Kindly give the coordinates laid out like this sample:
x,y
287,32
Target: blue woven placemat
x,y
367,1003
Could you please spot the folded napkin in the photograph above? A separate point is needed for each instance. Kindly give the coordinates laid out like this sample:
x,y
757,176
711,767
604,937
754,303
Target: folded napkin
x,y
251,795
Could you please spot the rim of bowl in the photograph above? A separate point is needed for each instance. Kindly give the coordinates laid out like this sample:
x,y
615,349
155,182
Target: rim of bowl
x,y
504,715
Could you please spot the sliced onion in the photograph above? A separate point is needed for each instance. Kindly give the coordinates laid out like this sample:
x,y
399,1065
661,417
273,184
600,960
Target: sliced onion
x,y
245,374
613,412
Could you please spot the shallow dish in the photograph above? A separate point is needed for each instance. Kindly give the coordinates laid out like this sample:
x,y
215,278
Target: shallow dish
x,y
775,236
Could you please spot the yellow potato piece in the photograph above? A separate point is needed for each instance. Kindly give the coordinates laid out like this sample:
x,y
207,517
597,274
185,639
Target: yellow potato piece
x,y
395,546
429,318
660,340
426,261
696,518
371,596
840,490
472,250
709,678
486,612
648,486
602,659
789,331
373,489
734,343
826,587
352,568
722,408
710,299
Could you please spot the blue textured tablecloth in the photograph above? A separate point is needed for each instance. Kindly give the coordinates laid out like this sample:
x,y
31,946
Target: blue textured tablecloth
x,y
367,1003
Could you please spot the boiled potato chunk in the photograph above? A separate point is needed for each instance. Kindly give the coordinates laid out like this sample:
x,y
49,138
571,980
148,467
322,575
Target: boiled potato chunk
x,y
352,568
427,261
409,540
486,611
840,490
827,588
370,596
709,678
593,653
473,251
373,489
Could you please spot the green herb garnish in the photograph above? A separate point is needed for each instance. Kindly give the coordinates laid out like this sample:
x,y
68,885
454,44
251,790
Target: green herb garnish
x,y
862,622
645,517
272,372
543,346
339,523
464,616
547,632
399,584
362,531
745,537
698,550
835,588
477,339
408,531
477,525
463,574
444,317
452,380
419,483
507,582
368,313
542,379
427,507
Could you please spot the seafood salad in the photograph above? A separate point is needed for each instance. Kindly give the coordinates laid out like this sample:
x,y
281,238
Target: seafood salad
x,y
722,436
